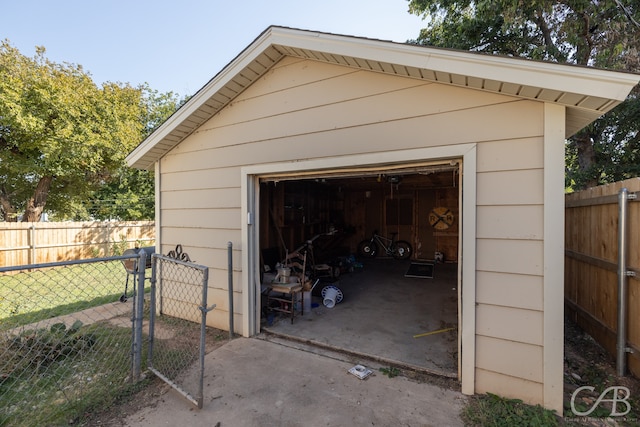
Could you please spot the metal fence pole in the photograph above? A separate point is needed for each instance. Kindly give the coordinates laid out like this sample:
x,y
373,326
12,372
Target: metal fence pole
x,y
203,329
138,309
152,305
621,347
108,250
32,243
230,269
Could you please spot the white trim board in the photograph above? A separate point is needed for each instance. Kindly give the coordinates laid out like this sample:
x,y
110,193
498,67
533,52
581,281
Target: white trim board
x,y
466,282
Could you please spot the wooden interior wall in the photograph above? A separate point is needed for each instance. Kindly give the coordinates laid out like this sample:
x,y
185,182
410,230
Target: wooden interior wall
x,y
425,245
591,253
294,211
398,212
447,239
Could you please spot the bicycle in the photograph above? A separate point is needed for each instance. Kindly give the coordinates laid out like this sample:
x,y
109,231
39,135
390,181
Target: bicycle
x,y
398,249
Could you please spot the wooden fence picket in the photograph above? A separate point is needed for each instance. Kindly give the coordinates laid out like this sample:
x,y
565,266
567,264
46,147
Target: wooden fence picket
x,y
591,255
42,242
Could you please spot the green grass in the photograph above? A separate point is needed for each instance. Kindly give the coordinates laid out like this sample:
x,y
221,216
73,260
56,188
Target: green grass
x,y
29,297
56,376
391,371
494,411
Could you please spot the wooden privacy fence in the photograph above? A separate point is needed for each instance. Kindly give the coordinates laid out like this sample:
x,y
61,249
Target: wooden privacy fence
x,y
591,265
24,243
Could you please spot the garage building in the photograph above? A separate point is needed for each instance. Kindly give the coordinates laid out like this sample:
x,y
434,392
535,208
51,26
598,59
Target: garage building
x,y
329,138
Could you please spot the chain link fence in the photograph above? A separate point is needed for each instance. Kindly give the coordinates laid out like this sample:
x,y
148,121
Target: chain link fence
x,y
66,340
177,318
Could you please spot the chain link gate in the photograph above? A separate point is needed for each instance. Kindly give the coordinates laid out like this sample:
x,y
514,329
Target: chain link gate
x,y
177,324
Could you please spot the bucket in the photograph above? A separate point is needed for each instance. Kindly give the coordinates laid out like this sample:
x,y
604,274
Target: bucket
x,y
330,296
307,301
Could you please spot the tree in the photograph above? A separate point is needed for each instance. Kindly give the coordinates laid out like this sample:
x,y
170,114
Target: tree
x,y
61,136
130,194
599,33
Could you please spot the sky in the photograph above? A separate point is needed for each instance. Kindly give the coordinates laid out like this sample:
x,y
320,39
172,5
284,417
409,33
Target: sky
x,y
178,46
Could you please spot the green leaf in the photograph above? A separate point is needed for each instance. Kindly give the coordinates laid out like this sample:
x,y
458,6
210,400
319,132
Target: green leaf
x,y
63,139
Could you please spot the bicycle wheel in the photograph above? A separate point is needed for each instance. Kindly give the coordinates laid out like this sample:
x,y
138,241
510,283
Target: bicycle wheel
x,y
402,250
368,249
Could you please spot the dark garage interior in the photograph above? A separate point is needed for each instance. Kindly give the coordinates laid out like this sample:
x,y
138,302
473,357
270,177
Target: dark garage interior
x,y
400,307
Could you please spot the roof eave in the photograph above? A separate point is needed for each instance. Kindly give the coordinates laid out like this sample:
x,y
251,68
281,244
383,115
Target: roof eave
x,y
586,92
136,157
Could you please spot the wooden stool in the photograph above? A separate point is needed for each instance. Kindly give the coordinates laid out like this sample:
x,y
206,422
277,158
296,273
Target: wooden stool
x,y
287,299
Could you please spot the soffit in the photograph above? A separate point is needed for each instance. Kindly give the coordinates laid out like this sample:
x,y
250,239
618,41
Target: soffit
x,y
587,93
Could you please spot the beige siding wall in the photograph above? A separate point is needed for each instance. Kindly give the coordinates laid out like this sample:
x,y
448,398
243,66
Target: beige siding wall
x,y
306,110
509,275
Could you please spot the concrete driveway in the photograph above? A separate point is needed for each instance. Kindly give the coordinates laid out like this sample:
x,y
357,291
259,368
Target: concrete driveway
x,y
254,382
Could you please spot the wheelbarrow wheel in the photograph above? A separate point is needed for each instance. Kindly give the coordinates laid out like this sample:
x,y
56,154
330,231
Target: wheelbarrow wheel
x,y
335,272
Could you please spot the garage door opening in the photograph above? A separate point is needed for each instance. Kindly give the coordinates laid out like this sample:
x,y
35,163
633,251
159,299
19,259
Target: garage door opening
x,y
389,306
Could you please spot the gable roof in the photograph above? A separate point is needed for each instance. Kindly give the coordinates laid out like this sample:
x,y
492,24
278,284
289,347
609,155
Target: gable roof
x,y
586,92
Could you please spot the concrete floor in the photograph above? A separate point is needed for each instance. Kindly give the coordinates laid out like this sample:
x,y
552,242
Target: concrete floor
x,y
381,312
252,382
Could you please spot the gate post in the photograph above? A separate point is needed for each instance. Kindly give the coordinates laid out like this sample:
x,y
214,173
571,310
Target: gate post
x,y
230,281
138,309
623,281
203,330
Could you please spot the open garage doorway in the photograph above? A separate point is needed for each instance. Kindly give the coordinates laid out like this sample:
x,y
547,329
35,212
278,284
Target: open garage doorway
x,y
401,308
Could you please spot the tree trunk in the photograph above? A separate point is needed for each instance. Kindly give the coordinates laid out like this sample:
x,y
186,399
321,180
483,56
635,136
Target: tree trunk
x,y
586,158
36,204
